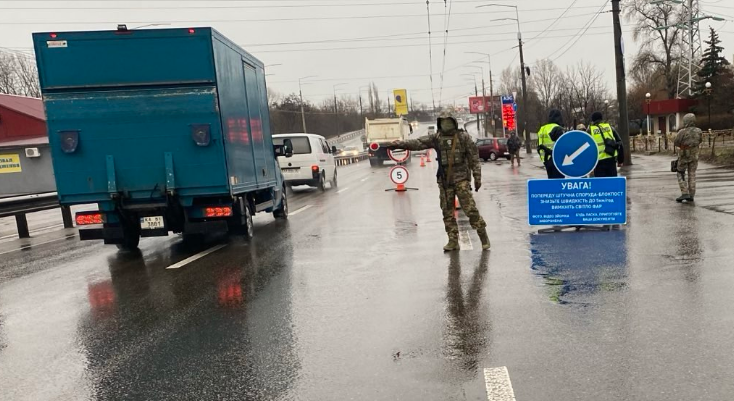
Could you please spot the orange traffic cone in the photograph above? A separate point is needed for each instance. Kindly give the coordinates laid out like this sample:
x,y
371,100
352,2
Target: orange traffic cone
x,y
428,156
400,188
457,206
423,162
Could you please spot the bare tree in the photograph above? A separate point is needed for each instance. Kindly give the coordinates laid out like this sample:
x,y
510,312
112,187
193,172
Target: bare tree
x,y
658,30
548,80
8,79
18,75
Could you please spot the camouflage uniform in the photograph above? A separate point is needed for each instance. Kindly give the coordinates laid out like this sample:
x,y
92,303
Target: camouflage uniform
x,y
688,140
465,165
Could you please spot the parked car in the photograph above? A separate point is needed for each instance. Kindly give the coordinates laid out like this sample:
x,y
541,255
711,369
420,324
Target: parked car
x,y
312,162
493,148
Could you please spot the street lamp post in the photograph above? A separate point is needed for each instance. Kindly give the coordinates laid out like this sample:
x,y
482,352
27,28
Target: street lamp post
x,y
528,148
708,91
476,93
361,110
336,109
484,95
300,94
648,99
491,93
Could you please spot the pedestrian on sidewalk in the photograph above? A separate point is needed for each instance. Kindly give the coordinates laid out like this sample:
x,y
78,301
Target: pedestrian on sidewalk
x,y
688,140
513,146
609,145
547,137
458,161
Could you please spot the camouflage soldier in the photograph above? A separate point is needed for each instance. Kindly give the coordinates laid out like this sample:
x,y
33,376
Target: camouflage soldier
x,y
688,140
458,160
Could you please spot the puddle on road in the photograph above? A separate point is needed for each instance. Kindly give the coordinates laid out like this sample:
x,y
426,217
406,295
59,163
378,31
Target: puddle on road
x,y
575,266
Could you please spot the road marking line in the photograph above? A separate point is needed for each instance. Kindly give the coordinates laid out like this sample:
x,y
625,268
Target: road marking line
x,y
365,179
465,241
295,212
342,190
499,387
29,246
196,257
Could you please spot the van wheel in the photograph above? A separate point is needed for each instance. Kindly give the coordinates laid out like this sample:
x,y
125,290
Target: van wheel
x,y
493,156
282,213
334,183
322,183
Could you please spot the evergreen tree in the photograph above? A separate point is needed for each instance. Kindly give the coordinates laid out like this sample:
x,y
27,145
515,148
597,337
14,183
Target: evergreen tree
x,y
712,62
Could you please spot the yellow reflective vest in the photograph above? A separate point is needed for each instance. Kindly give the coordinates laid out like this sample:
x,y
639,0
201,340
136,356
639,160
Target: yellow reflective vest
x,y
545,139
599,132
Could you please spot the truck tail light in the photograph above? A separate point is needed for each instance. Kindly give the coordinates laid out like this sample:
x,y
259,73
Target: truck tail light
x,y
87,218
314,168
217,211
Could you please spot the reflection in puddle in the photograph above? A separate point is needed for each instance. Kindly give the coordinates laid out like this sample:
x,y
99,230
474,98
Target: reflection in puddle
x,y
578,264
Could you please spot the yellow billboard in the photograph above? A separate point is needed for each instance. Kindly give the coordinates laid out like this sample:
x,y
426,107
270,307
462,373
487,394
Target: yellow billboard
x,y
401,101
10,164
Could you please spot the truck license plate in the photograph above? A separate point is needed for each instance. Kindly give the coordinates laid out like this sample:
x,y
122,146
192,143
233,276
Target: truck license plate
x,y
151,222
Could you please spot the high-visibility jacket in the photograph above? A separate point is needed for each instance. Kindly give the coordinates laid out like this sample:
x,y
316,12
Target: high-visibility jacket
x,y
599,132
545,139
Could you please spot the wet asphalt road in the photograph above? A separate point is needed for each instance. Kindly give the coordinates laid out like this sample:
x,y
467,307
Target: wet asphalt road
x,y
352,298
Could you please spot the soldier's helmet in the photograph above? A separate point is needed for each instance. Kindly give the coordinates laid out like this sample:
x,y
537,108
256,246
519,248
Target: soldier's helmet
x,y
689,120
445,115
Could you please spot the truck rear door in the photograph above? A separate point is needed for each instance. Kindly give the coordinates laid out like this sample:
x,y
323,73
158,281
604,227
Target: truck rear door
x,y
142,108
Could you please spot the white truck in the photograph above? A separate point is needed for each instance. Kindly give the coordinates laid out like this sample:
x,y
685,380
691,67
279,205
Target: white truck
x,y
383,131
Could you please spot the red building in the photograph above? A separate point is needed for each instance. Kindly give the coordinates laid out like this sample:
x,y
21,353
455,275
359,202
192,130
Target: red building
x,y
666,116
21,118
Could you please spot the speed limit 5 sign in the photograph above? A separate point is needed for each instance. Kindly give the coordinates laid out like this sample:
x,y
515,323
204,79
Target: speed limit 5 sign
x,y
399,175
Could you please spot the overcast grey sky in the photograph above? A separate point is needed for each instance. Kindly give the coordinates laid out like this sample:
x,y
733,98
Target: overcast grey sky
x,y
353,42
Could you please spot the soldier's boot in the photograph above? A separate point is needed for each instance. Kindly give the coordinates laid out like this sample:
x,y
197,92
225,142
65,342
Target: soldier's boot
x,y
484,238
684,198
453,244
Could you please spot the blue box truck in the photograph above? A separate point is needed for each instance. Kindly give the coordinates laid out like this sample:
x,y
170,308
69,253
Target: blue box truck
x,y
167,130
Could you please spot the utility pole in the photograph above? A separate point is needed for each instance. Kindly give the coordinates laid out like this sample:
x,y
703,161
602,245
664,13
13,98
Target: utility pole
x,y
300,94
524,114
491,99
484,98
624,130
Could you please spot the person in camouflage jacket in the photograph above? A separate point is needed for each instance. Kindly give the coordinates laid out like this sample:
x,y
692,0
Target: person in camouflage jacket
x,y
458,159
688,141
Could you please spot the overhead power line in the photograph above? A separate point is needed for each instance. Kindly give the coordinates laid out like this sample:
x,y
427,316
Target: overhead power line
x,y
430,52
199,21
572,42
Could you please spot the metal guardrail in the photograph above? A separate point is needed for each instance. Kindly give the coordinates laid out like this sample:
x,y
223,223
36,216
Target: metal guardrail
x,y
19,206
348,136
347,160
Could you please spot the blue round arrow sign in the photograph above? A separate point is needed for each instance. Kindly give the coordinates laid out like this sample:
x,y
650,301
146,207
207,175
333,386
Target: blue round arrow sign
x,y
575,154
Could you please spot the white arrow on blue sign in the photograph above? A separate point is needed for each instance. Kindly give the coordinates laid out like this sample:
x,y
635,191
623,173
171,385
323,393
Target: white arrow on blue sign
x,y
575,154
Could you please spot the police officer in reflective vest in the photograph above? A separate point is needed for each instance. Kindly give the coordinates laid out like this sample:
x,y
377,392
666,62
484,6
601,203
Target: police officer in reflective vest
x,y
547,137
609,145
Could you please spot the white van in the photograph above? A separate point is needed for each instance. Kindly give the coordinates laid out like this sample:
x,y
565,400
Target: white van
x,y
312,162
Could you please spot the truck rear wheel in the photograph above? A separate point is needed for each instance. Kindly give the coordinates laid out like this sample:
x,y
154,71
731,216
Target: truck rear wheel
x,y
282,213
248,228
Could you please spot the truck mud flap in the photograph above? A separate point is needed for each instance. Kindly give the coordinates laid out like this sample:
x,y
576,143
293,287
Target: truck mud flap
x,y
206,227
111,234
163,232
